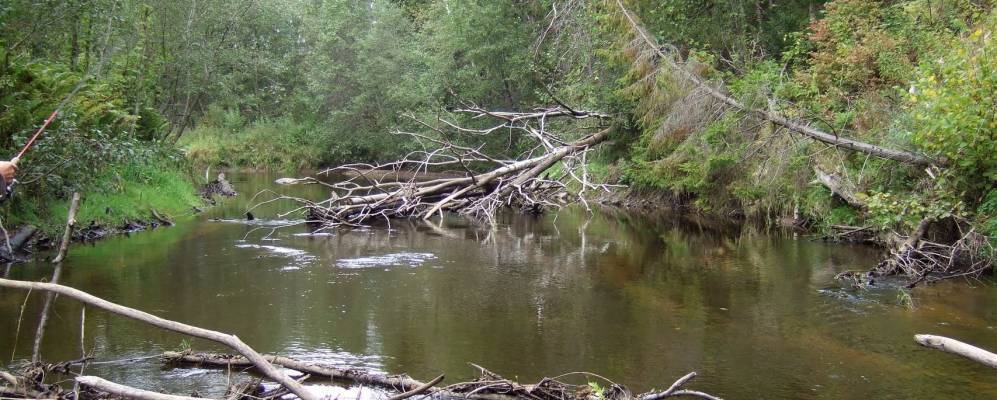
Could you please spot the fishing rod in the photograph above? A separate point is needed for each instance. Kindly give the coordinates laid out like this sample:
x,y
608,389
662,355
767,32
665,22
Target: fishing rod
x,y
7,188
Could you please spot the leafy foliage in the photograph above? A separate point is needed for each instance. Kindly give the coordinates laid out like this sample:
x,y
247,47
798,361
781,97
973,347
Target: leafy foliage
x,y
954,101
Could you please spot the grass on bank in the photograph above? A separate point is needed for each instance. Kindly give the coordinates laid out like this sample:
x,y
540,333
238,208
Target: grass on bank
x,y
280,144
122,192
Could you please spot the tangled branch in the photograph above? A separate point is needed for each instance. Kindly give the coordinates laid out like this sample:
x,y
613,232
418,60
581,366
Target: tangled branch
x,y
476,182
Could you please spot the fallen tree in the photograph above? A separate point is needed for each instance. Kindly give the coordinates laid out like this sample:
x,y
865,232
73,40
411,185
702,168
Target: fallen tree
x,y
644,49
229,340
489,386
959,348
523,181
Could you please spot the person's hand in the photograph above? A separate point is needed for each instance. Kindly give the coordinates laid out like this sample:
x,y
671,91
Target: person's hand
x,y
8,169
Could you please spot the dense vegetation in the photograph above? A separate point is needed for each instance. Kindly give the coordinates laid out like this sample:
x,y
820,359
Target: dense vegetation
x,y
289,84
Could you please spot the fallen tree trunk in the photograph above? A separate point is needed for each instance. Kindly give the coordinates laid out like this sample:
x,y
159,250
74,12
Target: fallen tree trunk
x,y
959,348
127,392
229,340
489,386
517,182
22,236
795,126
839,187
397,382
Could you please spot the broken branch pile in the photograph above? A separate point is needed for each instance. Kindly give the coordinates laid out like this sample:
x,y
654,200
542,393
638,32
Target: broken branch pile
x,y
518,181
489,386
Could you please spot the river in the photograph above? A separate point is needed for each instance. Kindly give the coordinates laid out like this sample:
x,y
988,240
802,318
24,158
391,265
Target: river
x,y
638,299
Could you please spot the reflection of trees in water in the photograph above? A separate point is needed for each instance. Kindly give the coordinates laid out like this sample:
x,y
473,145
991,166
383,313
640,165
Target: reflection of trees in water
x,y
630,296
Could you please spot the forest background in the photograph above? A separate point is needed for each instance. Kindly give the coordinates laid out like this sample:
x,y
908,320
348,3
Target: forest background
x,y
291,84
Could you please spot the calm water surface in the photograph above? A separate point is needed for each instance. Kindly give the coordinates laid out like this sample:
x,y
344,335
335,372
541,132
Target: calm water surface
x,y
640,300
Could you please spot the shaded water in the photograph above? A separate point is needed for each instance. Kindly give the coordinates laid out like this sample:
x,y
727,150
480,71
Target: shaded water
x,y
637,299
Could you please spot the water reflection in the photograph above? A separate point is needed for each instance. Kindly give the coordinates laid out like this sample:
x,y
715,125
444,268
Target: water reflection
x,y
640,299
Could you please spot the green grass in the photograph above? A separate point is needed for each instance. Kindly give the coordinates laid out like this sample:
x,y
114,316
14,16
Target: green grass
x,y
122,193
279,144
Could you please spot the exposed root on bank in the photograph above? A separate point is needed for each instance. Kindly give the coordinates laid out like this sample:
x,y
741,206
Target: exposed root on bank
x,y
926,261
396,189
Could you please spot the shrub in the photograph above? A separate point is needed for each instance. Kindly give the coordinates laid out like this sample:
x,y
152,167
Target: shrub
x,y
954,101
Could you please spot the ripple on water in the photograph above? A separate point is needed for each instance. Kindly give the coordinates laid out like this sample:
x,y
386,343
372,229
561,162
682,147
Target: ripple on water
x,y
387,260
298,257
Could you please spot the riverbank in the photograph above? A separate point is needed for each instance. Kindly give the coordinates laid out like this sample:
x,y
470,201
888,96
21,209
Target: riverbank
x,y
120,199
635,298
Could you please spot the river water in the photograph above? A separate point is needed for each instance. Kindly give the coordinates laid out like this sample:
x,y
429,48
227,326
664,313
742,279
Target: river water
x,y
638,299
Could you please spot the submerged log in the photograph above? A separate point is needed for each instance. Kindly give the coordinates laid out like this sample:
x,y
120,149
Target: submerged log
x,y
489,387
959,348
218,360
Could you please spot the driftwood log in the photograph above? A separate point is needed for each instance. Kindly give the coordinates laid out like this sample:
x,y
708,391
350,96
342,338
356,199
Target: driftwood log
x,y
959,348
126,392
229,340
489,387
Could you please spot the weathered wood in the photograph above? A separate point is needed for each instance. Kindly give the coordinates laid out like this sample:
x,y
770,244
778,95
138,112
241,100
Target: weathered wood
x,y
397,382
795,126
489,387
22,236
959,348
74,205
229,340
127,391
162,219
418,390
36,348
839,187
19,387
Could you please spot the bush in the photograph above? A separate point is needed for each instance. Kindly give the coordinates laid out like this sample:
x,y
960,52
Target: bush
x,y
954,99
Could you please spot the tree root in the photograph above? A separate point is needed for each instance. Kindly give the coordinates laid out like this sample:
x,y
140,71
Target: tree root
x,y
925,261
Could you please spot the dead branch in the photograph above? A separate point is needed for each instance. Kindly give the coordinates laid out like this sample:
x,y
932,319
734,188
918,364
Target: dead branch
x,y
839,187
70,222
127,392
36,348
418,390
229,340
660,55
489,386
925,261
959,348
413,187
216,360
